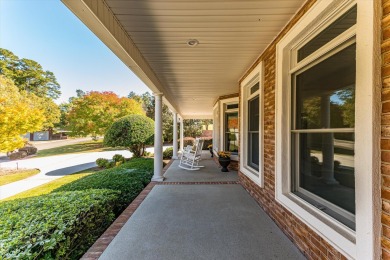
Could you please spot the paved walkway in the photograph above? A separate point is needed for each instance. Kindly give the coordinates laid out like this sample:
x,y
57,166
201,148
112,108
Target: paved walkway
x,y
202,221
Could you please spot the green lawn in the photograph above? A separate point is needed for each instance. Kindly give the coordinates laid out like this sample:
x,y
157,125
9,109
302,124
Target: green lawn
x,y
89,146
50,186
16,175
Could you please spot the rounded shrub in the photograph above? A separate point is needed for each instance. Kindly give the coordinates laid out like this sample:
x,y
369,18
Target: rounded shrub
x,y
133,132
102,163
118,158
168,153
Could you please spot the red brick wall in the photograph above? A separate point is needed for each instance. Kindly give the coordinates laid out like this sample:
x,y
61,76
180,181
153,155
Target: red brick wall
x,y
311,244
385,141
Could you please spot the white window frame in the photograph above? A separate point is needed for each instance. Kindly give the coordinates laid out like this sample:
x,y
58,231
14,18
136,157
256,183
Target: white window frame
x,y
364,242
256,76
223,111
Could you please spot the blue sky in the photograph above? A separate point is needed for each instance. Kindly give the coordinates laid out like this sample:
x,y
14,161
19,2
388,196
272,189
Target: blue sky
x,y
49,33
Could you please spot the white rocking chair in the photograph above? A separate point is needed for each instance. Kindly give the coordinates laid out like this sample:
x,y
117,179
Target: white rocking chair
x,y
191,156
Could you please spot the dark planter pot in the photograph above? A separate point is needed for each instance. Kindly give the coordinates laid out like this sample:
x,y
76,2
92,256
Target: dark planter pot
x,y
224,162
211,151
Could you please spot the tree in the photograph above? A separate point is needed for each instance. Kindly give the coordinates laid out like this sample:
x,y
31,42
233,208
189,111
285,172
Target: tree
x,y
51,112
192,127
133,132
20,113
135,96
64,111
148,105
94,112
29,75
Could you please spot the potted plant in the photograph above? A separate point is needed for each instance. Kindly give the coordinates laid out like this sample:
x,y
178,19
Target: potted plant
x,y
210,147
224,160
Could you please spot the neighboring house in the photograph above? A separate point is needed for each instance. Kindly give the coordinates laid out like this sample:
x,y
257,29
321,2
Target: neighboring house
x,y
46,135
294,88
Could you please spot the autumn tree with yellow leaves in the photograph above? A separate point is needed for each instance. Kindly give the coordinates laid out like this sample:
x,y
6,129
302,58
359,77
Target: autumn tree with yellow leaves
x,y
21,112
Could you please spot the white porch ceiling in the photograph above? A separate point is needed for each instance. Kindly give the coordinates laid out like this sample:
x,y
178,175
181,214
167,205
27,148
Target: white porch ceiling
x,y
231,35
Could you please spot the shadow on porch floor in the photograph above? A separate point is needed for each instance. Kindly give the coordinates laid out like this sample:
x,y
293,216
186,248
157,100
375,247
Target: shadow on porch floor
x,y
203,221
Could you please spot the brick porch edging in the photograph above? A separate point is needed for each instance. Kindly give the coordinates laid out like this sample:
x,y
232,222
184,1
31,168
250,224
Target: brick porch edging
x,y
198,183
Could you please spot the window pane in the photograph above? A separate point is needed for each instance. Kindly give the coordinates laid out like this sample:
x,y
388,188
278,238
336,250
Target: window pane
x,y
255,88
325,93
332,31
232,106
231,132
253,133
253,114
253,150
326,168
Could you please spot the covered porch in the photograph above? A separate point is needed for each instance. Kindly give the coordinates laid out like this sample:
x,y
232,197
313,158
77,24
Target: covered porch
x,y
202,214
258,69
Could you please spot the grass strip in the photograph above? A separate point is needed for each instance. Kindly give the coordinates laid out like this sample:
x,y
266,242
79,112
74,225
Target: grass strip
x,y
17,175
50,186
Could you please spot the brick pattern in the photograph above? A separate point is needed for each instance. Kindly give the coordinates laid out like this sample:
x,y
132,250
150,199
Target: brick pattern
x,y
308,241
198,183
385,124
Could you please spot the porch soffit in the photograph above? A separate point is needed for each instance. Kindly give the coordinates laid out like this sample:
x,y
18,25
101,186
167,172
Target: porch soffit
x,y
150,37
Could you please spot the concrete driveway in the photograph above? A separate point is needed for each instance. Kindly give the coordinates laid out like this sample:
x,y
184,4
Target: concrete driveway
x,y
54,167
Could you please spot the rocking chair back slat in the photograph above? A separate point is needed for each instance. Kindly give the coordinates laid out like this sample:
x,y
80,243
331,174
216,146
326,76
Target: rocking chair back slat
x,y
191,156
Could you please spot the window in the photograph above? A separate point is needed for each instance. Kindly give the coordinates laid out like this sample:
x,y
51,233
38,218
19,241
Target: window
x,y
325,137
229,128
253,132
251,121
231,131
323,134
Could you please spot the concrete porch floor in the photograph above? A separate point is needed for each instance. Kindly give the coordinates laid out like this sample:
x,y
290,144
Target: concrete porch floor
x,y
200,221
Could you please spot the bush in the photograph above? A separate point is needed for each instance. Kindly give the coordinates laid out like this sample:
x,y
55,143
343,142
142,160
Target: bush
x,y
188,141
118,158
134,132
18,155
129,179
168,153
61,225
29,150
102,163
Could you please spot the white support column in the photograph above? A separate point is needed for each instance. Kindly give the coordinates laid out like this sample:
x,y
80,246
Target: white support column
x,y
174,156
181,135
158,144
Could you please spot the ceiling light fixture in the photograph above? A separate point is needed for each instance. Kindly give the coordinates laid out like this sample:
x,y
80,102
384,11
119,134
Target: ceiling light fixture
x,y
192,42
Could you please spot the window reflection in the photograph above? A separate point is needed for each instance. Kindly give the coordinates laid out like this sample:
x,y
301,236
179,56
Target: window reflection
x,y
231,132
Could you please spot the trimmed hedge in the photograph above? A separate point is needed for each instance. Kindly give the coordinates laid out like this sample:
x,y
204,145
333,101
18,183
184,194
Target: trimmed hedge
x,y
65,223
129,179
61,225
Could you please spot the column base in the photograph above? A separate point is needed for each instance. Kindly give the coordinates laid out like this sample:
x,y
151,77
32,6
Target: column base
x,y
158,178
